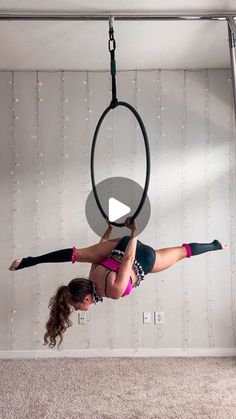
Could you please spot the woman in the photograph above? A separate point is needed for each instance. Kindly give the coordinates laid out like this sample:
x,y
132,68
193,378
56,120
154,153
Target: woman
x,y
118,265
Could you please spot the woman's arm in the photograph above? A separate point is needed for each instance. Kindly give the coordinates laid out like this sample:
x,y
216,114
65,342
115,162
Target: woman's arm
x,y
121,280
104,238
107,233
132,243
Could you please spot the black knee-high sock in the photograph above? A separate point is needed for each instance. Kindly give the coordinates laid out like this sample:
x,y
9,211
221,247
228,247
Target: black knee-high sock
x,y
198,248
64,255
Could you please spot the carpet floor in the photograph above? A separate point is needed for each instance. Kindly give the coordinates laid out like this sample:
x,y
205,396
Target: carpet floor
x,y
129,388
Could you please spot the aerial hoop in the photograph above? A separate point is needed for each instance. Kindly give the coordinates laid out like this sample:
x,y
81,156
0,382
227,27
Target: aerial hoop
x,y
114,104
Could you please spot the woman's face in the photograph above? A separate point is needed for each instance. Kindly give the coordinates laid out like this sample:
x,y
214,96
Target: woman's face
x,y
84,306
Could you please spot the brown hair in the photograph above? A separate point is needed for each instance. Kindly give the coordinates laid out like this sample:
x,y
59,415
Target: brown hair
x,y
60,309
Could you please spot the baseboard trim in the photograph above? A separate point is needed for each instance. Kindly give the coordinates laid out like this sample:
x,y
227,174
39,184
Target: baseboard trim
x,y
127,353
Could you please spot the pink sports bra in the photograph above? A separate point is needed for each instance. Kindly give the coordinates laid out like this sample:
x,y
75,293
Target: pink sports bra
x,y
114,266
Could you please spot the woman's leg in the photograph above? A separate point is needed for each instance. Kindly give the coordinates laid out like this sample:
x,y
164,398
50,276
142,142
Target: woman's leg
x,y
169,256
91,254
97,252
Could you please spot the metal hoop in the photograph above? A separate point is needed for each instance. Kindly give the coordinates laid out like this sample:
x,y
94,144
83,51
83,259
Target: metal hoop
x,y
145,138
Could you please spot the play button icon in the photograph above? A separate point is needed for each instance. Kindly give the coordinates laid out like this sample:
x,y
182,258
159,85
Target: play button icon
x,y
117,209
119,198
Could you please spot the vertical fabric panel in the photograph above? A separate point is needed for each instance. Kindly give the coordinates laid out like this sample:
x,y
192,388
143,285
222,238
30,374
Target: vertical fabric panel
x,y
170,203
195,215
220,116
49,200
23,112
6,208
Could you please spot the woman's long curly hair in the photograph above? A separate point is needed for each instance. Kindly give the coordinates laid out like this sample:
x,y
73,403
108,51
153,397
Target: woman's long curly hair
x,y
60,308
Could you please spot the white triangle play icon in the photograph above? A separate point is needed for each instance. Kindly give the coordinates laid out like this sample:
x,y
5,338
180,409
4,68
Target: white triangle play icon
x,y
117,209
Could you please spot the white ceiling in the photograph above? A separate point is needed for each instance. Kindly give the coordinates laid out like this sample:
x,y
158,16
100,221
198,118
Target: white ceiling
x,y
82,45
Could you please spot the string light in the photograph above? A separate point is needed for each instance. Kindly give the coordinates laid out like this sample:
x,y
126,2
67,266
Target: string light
x,y
64,156
136,337
160,213
232,200
86,92
36,217
185,212
12,326
131,167
208,212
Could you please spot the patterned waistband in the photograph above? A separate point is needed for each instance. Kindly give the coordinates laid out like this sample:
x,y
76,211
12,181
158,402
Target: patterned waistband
x,y
96,296
136,265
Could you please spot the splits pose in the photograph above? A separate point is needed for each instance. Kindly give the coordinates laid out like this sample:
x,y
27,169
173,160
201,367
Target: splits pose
x,y
118,265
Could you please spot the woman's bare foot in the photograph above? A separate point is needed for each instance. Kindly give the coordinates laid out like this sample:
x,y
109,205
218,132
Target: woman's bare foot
x,y
224,246
15,264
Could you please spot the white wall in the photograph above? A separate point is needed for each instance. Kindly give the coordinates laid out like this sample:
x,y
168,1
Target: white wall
x,y
47,120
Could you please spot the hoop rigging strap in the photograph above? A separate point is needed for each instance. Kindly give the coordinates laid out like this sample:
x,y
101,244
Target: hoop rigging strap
x,y
112,47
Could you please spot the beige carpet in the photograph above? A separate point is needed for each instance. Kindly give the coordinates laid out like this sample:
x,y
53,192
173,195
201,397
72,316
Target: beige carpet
x,y
106,388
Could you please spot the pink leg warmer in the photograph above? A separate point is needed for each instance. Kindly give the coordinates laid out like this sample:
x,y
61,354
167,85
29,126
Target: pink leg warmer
x,y
188,250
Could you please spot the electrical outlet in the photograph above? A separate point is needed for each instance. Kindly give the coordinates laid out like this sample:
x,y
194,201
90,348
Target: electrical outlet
x,y
159,317
146,317
82,318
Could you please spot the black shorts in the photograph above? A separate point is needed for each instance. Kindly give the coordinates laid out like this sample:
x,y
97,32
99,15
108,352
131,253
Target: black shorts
x,y
145,255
